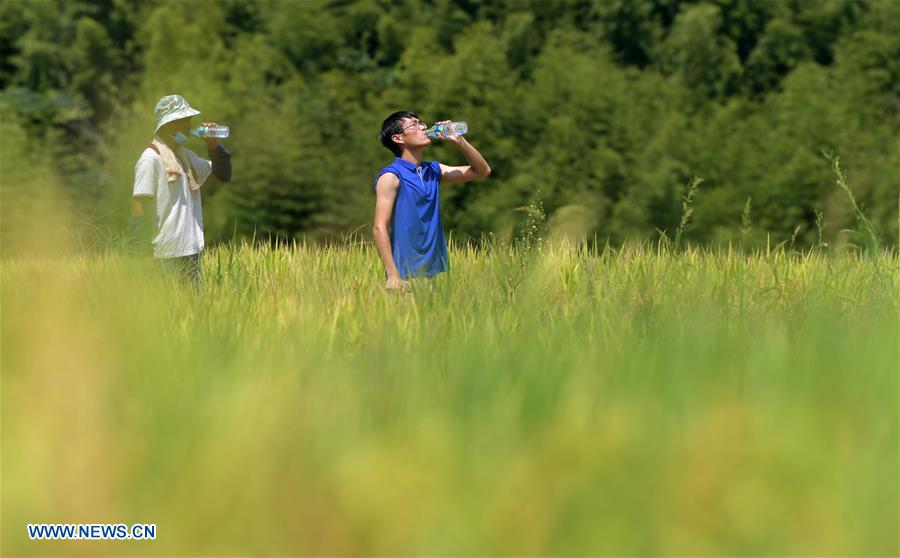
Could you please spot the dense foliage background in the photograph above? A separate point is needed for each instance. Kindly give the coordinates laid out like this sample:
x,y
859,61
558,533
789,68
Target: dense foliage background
x,y
603,110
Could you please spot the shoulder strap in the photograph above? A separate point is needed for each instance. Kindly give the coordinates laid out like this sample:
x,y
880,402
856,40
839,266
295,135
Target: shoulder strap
x,y
153,147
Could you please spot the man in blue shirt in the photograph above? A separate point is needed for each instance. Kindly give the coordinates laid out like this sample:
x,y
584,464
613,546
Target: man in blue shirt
x,y
407,230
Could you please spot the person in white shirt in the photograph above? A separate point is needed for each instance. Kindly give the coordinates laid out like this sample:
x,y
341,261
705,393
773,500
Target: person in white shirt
x,y
172,176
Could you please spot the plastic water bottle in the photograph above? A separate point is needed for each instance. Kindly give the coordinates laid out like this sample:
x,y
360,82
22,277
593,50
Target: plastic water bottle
x,y
448,129
217,131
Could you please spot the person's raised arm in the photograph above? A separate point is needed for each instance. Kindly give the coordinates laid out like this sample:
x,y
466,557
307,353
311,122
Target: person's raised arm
x,y
477,168
220,157
385,196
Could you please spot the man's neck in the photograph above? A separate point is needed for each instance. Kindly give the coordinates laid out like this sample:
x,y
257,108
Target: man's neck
x,y
413,156
169,142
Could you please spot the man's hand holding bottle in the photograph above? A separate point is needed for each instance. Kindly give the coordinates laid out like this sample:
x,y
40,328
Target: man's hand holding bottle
x,y
446,130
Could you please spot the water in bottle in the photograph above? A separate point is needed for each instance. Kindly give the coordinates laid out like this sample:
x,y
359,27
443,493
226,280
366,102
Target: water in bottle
x,y
217,131
448,129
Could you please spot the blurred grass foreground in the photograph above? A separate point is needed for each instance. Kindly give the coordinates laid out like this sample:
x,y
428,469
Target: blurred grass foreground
x,y
561,401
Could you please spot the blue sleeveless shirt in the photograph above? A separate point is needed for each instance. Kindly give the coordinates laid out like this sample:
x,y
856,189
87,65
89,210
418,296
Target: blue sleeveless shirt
x,y
417,236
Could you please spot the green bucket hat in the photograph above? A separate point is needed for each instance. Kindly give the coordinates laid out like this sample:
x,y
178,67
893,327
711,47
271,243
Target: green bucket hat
x,y
172,107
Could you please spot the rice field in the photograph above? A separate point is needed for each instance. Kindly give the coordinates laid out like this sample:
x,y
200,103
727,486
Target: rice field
x,y
561,401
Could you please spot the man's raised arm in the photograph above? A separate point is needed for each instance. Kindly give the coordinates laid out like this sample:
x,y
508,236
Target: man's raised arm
x,y
477,168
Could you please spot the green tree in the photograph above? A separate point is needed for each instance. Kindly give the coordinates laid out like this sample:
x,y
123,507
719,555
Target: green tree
x,y
703,59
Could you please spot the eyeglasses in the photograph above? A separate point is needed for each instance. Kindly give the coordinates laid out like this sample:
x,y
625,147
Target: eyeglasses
x,y
417,123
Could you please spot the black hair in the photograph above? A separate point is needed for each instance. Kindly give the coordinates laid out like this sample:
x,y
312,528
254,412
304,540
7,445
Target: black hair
x,y
393,124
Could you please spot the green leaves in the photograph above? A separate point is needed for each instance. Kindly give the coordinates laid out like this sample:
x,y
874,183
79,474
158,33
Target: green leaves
x,y
605,106
702,58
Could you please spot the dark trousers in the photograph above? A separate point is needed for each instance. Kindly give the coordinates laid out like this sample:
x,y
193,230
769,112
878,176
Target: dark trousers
x,y
185,268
